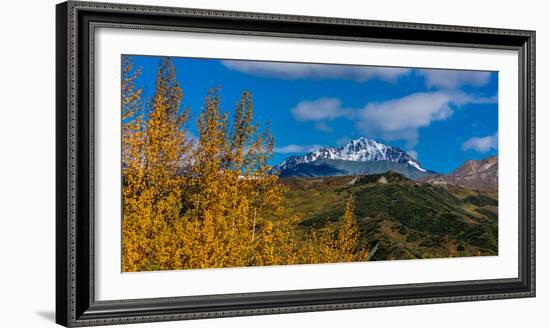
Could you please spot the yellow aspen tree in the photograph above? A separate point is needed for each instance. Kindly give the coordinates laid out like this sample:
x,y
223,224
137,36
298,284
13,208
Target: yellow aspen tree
x,y
336,243
317,246
132,173
131,95
287,240
240,204
348,242
265,253
214,203
153,207
327,248
204,220
309,250
234,196
348,234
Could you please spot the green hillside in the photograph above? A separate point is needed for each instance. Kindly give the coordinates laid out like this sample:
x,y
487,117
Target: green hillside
x,y
401,218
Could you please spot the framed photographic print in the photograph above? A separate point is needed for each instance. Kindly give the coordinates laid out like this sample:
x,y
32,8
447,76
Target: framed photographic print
x,y
214,163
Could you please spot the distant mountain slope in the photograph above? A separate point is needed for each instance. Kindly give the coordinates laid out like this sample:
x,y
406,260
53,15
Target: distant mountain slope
x,y
361,156
402,219
335,167
478,174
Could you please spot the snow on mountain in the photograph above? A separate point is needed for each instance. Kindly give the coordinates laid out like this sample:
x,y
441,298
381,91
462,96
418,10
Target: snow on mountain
x,y
362,150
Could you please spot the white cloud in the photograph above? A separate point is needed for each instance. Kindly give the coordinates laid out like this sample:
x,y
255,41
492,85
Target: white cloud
x,y
297,149
319,110
452,79
447,79
323,126
412,111
395,119
400,119
413,154
481,144
293,71
486,100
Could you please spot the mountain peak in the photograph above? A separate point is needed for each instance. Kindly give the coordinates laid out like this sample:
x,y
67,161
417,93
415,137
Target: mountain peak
x,y
477,174
471,167
361,150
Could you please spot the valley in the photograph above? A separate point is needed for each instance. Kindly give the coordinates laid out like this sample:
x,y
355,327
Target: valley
x,y
401,218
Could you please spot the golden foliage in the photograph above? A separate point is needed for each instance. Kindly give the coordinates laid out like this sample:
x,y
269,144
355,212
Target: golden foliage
x,y
152,190
337,243
211,202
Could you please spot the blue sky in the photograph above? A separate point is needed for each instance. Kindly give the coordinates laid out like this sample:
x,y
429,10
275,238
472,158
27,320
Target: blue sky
x,y
441,117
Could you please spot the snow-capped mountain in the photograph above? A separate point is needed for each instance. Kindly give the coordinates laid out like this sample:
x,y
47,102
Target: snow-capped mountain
x,y
359,150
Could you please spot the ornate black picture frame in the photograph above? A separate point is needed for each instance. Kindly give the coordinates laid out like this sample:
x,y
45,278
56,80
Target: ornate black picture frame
x,y
75,301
